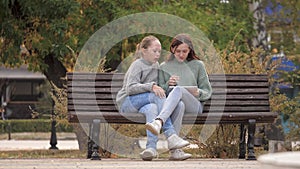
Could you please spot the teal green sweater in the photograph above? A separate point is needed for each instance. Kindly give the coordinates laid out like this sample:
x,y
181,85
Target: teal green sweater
x,y
192,73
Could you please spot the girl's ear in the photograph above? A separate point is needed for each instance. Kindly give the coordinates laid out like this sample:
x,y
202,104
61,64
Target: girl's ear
x,y
173,50
143,50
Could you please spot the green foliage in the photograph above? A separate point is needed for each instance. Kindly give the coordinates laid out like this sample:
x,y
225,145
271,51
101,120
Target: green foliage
x,y
31,125
61,28
40,26
283,25
289,106
235,60
222,143
293,112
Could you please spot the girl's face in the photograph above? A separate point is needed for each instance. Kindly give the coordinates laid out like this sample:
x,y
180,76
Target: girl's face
x,y
152,53
181,52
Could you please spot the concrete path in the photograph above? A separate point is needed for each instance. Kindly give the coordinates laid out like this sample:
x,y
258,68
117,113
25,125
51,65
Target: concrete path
x,y
127,164
8,145
279,160
53,163
265,161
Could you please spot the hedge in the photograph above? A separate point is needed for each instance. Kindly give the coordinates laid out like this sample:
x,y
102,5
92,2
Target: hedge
x,y
31,125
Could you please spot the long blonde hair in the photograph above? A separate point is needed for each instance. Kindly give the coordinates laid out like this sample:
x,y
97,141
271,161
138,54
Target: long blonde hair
x,y
145,43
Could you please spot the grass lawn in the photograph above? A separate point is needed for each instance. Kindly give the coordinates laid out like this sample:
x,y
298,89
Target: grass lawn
x,y
43,154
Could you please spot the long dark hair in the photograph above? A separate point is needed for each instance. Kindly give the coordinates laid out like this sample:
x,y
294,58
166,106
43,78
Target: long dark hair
x,y
178,40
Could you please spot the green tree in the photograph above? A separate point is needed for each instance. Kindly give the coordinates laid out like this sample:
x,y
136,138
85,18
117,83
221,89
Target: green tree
x,y
48,35
283,30
51,33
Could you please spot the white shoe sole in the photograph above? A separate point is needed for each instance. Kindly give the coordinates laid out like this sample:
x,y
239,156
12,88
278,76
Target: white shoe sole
x,y
147,156
179,146
152,129
180,159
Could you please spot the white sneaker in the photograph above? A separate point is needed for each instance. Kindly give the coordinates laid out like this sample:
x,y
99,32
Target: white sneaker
x,y
175,142
179,155
154,127
148,154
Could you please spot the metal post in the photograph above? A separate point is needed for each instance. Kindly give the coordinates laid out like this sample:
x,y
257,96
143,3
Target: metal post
x,y
9,130
250,143
95,139
53,139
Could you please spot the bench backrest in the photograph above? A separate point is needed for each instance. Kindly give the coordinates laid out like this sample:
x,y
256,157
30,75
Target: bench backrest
x,y
233,95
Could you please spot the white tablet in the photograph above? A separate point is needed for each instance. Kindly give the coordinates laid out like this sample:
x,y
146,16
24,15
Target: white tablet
x,y
187,87
191,89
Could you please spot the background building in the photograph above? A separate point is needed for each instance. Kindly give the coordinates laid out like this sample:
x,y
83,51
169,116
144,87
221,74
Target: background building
x,y
19,92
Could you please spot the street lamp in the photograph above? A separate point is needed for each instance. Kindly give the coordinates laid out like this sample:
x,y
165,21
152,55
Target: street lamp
x,y
53,138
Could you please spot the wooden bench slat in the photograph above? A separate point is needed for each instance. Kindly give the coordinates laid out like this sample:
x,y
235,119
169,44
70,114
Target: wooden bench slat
x,y
187,119
207,103
225,108
94,84
92,76
241,97
215,97
215,91
82,90
120,83
91,96
240,91
120,76
239,84
239,78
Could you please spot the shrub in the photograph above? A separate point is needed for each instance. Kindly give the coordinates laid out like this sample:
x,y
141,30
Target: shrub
x,y
31,125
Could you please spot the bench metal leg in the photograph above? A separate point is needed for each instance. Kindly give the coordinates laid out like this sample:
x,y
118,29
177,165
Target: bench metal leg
x,y
90,142
251,132
95,139
242,145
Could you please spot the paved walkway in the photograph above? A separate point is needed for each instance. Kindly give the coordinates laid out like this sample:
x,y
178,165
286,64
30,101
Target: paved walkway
x,y
127,164
287,159
8,145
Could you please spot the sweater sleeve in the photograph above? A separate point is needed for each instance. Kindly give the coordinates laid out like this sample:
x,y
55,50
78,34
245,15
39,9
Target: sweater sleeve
x,y
134,84
205,89
163,78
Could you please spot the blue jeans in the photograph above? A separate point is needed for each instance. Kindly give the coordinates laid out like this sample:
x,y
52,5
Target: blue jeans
x,y
149,104
179,95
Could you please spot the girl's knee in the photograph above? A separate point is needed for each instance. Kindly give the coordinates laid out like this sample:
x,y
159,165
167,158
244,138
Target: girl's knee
x,y
149,109
181,105
178,88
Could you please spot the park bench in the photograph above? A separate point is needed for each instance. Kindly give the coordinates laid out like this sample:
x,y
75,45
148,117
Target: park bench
x,y
237,99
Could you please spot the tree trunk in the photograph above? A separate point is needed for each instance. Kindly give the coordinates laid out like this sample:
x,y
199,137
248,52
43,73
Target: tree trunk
x,y
82,137
56,73
259,25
